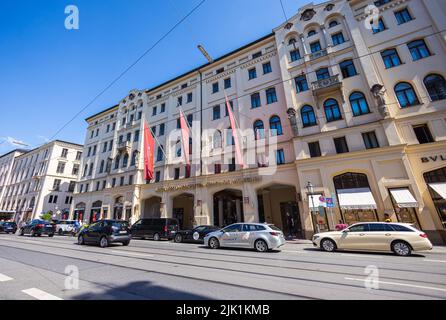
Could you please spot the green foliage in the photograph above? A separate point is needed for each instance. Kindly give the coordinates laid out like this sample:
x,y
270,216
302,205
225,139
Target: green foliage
x,y
47,216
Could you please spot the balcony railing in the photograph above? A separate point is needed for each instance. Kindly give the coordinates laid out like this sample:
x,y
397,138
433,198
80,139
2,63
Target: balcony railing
x,y
124,146
327,83
318,54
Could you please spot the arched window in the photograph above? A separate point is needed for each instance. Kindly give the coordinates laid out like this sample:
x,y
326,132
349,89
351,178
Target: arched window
x,y
291,41
275,126
359,104
125,161
259,130
308,116
333,23
217,139
311,33
178,148
117,160
332,111
436,86
406,95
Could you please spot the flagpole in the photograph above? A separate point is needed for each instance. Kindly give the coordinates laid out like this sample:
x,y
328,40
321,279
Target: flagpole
x,y
154,136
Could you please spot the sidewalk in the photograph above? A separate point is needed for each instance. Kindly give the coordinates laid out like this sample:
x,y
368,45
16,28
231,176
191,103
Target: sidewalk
x,y
298,241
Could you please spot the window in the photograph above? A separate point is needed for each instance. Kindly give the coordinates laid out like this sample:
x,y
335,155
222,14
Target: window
x,y
154,111
189,97
129,136
217,139
75,171
348,69
359,104
64,153
291,41
259,130
163,107
178,149
104,147
231,166
56,184
89,152
157,176
406,95
139,115
423,134
370,140
436,87
380,27
90,170
134,158
216,113
161,129
315,47
308,116
341,145
78,155
136,136
179,101
338,38
98,185
255,100
71,186
322,73
159,154
227,83
267,68
101,166
189,119
113,184
333,24
311,33
280,157
117,160
121,181
215,87
295,55
301,83
315,149
275,126
217,168
257,55
94,150
231,103
403,16
60,167
332,111
177,174
390,58
252,73
221,70
418,49
110,146
130,179
153,130
271,96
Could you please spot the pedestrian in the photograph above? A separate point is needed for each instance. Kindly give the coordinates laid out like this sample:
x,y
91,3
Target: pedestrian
x,y
387,217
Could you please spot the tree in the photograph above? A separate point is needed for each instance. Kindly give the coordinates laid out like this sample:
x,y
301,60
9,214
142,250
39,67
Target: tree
x,y
47,216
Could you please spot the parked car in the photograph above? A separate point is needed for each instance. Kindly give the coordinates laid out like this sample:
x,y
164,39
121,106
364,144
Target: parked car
x,y
196,235
67,226
400,238
155,228
37,227
105,232
8,227
262,237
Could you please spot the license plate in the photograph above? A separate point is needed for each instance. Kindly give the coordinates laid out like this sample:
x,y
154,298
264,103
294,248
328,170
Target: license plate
x,y
122,232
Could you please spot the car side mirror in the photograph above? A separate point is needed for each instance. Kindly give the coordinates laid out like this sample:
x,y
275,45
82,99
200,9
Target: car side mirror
x,y
345,231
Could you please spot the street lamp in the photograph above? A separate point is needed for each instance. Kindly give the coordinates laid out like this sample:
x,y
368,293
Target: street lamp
x,y
310,189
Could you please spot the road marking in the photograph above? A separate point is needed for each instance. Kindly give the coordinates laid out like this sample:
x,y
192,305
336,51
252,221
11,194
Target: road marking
x,y
398,284
40,295
429,260
359,255
4,278
133,253
293,251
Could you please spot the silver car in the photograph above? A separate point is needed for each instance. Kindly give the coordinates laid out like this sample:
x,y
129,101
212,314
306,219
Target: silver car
x,y
260,236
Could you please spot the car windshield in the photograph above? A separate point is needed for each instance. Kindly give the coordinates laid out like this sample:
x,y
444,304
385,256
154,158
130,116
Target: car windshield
x,y
233,228
119,224
274,227
200,228
8,223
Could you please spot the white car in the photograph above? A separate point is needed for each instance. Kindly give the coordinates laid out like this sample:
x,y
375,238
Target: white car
x,y
400,238
67,226
259,236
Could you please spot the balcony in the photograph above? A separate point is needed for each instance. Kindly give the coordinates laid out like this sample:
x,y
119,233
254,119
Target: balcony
x,y
124,146
326,85
318,54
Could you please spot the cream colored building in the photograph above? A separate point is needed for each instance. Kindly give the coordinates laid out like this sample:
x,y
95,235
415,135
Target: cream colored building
x,y
42,180
356,95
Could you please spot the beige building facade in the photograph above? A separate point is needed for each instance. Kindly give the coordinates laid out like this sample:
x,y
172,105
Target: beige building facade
x,y
349,96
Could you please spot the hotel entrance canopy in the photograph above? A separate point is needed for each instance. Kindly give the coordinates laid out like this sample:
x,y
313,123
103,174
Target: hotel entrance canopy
x,y
354,199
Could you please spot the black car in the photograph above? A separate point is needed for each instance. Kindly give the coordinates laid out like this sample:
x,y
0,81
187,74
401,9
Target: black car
x,y
195,235
105,232
155,228
37,227
8,227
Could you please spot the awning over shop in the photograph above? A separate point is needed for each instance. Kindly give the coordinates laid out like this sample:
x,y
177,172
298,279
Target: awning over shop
x,y
316,201
439,188
404,198
351,199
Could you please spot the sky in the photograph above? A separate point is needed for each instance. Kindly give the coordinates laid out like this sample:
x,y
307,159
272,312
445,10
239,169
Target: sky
x,y
48,73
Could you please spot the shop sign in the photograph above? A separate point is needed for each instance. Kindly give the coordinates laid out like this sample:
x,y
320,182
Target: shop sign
x,y
433,158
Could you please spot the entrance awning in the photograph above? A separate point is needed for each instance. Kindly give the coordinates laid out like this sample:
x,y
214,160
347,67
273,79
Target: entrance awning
x,y
439,188
351,199
404,198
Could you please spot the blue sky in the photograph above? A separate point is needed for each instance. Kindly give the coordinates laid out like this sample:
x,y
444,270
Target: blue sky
x,y
48,73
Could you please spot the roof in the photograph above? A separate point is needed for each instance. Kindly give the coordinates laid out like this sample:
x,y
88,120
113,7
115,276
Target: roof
x,y
12,151
101,112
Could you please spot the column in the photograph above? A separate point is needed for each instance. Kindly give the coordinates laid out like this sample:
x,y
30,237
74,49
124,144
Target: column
x,y
220,211
304,45
238,209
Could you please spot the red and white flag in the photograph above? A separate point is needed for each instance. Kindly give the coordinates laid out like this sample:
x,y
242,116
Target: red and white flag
x,y
185,137
238,152
149,150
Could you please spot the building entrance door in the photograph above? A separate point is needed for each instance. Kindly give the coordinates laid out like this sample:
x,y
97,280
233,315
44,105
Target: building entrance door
x,y
291,223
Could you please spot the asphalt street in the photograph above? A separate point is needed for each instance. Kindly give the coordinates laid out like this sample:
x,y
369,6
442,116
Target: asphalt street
x,y
58,268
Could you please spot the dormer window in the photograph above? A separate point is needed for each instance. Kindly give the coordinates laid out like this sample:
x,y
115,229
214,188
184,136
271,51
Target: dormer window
x,y
308,15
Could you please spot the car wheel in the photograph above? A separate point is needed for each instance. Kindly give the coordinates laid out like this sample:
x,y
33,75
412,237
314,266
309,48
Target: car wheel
x,y
328,245
156,237
178,238
80,240
51,235
60,232
126,243
103,242
31,233
261,245
22,232
214,243
401,248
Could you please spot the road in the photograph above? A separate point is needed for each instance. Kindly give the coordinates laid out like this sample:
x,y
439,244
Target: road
x,y
37,268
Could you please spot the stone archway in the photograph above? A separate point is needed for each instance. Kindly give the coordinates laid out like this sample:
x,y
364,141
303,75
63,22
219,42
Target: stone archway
x,y
118,208
228,207
152,207
183,210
